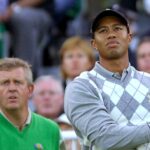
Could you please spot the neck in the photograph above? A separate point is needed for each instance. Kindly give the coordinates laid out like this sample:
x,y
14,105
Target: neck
x,y
17,118
115,65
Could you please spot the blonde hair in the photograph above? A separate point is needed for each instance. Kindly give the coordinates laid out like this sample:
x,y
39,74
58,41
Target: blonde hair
x,y
8,64
73,42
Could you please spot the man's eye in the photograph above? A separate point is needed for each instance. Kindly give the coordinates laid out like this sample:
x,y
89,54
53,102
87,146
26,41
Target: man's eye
x,y
118,28
41,93
4,83
68,56
17,82
142,56
102,31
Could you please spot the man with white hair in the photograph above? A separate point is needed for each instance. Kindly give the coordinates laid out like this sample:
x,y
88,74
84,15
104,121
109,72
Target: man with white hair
x,y
48,97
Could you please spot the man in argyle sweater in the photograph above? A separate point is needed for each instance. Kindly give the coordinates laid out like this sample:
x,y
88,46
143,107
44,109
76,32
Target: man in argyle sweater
x,y
109,105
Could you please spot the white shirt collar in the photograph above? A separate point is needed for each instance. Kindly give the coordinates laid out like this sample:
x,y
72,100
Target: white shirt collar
x,y
28,121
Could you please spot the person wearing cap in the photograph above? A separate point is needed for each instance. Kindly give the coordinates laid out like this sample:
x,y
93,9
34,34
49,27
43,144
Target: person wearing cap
x,y
109,105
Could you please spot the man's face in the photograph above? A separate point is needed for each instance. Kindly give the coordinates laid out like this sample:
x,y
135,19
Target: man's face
x,y
14,90
48,99
75,61
143,57
111,38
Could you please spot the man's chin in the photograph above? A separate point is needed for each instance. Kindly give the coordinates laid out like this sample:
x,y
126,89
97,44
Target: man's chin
x,y
14,107
115,55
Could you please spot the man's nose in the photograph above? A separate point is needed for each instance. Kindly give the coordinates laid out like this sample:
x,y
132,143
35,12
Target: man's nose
x,y
46,95
111,34
12,86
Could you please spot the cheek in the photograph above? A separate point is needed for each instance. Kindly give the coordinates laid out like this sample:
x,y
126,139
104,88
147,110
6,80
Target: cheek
x,y
58,104
85,64
141,64
68,67
37,100
40,104
1,92
23,89
126,38
98,43
25,93
3,95
66,64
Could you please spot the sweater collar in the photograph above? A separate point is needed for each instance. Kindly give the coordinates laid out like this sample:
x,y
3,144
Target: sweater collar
x,y
100,69
28,121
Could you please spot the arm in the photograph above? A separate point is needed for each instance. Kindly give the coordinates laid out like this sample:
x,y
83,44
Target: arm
x,y
88,114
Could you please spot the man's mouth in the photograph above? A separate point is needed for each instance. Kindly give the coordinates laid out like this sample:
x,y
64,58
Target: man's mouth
x,y
112,44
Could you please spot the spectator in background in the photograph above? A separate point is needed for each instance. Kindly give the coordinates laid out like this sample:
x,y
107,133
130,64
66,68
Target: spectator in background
x,y
48,99
29,22
64,12
143,55
146,4
24,129
76,56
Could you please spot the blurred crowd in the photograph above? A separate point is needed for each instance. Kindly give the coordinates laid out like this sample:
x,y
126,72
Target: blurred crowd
x,y
54,37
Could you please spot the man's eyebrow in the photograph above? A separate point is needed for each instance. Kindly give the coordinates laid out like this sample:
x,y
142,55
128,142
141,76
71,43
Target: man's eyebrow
x,y
118,24
101,27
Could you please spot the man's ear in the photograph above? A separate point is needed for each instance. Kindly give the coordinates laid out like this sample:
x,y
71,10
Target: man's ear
x,y
93,43
31,88
130,35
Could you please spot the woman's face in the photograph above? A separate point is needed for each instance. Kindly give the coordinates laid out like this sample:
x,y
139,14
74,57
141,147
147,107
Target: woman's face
x,y
74,62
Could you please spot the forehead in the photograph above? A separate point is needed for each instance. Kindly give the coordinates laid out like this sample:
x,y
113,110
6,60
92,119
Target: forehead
x,y
75,50
46,85
17,73
109,20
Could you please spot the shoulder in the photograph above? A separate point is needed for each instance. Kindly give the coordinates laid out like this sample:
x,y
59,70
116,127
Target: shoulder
x,y
45,127
142,77
142,74
40,120
147,75
83,85
80,91
79,84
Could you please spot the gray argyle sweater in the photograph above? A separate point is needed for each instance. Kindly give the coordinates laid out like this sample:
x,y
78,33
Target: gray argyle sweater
x,y
109,111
